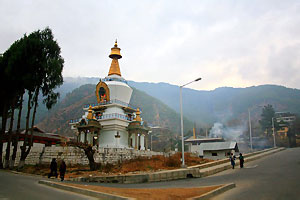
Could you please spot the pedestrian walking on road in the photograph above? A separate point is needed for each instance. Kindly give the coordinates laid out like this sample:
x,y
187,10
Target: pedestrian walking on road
x,y
53,168
62,170
232,160
241,160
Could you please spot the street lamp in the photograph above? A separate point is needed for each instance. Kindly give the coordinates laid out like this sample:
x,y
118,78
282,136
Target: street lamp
x,y
181,118
250,129
273,132
150,140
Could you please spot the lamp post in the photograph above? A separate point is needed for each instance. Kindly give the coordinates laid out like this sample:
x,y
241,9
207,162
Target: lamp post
x,y
150,140
181,118
273,132
250,130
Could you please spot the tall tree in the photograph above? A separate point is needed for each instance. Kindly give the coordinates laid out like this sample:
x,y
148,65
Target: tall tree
x,y
33,65
12,74
266,118
47,66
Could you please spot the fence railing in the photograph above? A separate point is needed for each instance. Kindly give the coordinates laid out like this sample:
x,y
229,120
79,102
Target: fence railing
x,y
114,116
113,101
113,79
106,116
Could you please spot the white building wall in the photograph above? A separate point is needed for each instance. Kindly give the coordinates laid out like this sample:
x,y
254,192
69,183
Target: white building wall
x,y
195,149
119,90
142,142
82,137
107,139
114,109
221,154
133,140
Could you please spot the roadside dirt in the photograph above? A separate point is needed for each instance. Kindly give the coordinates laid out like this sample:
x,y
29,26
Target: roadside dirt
x,y
152,194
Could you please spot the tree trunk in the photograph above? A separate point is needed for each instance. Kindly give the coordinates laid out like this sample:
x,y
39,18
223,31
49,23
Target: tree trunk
x,y
89,152
2,133
23,147
16,139
29,143
7,155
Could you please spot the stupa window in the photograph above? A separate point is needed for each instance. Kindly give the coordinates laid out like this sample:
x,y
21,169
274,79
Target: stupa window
x,y
102,93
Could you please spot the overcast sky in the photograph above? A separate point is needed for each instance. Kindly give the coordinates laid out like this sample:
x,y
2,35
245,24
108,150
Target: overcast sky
x,y
227,43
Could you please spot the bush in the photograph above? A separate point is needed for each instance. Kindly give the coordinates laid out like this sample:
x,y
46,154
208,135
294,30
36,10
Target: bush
x,y
172,161
107,168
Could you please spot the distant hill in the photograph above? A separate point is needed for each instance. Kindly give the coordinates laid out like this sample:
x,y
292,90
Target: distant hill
x,y
221,104
226,103
154,112
202,107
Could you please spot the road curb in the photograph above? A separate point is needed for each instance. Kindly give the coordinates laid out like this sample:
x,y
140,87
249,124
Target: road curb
x,y
225,166
214,192
99,195
168,175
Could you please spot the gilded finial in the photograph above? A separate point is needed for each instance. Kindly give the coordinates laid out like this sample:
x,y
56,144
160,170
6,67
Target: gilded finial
x,y
90,113
115,55
138,117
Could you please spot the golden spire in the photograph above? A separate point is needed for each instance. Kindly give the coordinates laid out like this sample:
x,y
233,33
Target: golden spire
x,y
138,117
90,113
115,55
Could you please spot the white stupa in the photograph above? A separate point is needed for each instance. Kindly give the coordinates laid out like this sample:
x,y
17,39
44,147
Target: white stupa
x,y
112,122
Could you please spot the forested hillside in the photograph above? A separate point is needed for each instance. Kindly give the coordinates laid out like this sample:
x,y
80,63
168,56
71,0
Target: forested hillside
x,y
154,112
226,103
202,107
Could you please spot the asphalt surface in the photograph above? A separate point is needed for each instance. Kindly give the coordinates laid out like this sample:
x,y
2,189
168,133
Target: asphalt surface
x,y
276,176
16,186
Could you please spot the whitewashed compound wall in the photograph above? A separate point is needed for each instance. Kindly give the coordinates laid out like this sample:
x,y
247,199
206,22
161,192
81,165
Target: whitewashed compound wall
x,y
40,154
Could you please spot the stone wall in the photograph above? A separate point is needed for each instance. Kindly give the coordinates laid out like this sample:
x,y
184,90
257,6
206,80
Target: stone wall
x,y
40,154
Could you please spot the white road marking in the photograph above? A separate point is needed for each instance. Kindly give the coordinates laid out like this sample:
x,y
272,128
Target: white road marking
x,y
249,167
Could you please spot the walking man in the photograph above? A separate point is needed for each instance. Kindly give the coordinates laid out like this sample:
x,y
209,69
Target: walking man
x,y
62,170
53,168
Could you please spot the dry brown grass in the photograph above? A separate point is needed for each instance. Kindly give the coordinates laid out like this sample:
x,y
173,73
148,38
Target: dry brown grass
x,y
138,165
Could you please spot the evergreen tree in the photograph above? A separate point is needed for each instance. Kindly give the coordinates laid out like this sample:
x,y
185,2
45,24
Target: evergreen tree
x,y
33,65
266,118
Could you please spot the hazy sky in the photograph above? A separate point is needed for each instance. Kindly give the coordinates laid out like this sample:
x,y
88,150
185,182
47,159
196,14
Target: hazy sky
x,y
228,43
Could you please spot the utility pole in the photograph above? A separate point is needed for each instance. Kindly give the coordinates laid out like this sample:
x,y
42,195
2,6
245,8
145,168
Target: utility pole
x,y
273,132
250,129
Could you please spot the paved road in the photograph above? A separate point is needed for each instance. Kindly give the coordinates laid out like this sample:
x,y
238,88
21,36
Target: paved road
x,y
276,176
16,186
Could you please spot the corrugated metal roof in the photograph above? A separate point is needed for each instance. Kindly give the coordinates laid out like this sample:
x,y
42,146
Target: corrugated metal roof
x,y
203,139
217,146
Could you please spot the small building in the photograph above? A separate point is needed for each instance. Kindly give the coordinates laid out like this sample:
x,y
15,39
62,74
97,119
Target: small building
x,y
286,117
39,136
193,144
217,150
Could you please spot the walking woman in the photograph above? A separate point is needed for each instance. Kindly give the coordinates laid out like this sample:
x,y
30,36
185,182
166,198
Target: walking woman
x,y
241,160
232,160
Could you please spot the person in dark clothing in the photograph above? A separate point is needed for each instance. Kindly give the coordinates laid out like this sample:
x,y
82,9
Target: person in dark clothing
x,y
241,160
62,170
53,168
232,160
